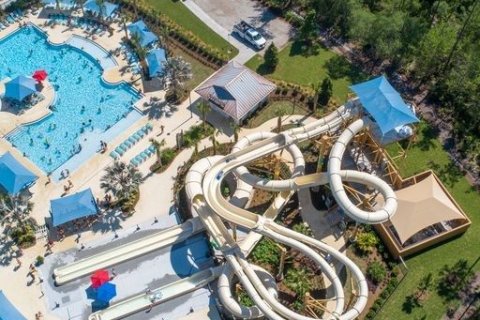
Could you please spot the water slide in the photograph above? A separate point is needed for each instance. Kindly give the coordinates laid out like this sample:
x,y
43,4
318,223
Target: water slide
x,y
203,188
131,250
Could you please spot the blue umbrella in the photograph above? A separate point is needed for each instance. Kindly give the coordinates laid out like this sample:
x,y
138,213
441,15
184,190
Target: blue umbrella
x,y
91,293
20,87
106,292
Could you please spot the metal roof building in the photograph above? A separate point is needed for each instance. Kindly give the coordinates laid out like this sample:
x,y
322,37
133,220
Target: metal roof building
x,y
235,90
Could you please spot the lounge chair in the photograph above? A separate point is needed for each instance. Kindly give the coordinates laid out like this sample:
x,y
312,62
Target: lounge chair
x,y
119,151
114,155
126,145
144,155
149,126
134,162
132,140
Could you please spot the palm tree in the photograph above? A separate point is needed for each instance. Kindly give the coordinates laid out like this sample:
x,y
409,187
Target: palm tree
x,y
124,25
121,180
213,139
15,210
177,71
204,109
80,4
236,129
158,145
164,33
101,7
316,92
57,4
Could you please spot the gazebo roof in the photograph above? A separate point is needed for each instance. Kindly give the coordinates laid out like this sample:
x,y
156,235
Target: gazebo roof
x,y
75,206
155,60
13,175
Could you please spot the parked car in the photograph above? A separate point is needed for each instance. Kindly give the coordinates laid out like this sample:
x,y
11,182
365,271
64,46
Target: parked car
x,y
248,33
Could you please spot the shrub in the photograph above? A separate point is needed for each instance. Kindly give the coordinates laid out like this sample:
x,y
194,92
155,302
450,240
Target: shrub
x,y
267,252
128,205
24,236
366,241
244,299
303,228
39,260
298,280
376,272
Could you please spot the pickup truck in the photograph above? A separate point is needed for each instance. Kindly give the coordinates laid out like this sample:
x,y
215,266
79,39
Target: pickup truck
x,y
249,34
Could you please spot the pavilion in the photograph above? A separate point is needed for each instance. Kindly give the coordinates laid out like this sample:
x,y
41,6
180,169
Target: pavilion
x,y
8,310
14,177
93,7
390,113
235,91
20,87
427,214
144,34
78,205
156,59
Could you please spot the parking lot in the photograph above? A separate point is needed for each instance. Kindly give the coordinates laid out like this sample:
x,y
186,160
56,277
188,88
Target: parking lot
x,y
227,13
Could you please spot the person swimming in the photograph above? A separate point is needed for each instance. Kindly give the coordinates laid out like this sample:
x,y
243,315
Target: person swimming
x,y
82,109
99,110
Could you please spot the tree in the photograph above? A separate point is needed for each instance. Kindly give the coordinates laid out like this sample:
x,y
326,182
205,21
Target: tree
x,y
15,214
309,27
176,72
121,180
124,26
158,145
376,272
213,139
271,57
204,109
325,91
316,94
236,130
101,7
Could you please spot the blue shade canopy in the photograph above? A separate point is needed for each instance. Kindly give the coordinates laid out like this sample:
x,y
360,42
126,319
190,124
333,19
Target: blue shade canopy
x,y
75,206
106,292
384,104
8,310
141,30
20,87
13,175
155,60
107,10
62,3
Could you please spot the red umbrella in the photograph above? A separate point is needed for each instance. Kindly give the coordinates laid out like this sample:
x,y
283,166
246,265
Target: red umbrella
x,y
40,75
99,278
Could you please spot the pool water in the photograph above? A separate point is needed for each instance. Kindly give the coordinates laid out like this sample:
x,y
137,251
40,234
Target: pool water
x,y
85,106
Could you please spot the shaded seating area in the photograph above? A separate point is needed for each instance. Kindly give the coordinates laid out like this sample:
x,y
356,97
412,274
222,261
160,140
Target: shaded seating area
x,y
235,91
107,9
387,110
156,59
14,177
73,213
8,310
140,29
20,88
426,215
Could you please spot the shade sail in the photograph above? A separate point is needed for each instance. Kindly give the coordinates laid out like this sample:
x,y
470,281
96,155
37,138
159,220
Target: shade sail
x,y
75,206
384,104
155,61
13,175
99,278
422,205
106,292
107,10
8,310
141,30
20,87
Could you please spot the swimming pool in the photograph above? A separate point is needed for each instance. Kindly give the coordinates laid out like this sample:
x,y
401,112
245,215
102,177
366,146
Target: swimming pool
x,y
86,108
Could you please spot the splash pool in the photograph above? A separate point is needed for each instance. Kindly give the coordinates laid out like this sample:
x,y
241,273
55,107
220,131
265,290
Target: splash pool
x,y
86,109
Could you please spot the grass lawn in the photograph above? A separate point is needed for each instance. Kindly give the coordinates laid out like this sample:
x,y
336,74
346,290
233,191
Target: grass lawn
x,y
426,153
199,70
273,110
297,67
177,11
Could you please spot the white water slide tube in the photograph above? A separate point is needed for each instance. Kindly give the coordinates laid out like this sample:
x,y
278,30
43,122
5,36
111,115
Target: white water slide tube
x,y
131,250
208,202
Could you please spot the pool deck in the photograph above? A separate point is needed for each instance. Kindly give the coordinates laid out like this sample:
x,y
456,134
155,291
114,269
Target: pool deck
x,y
10,121
153,204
